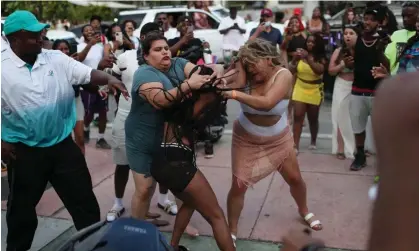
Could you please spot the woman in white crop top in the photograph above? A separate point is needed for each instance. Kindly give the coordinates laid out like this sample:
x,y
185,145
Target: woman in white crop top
x,y
262,140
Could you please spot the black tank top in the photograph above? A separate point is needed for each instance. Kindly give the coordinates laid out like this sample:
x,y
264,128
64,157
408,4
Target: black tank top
x,y
365,59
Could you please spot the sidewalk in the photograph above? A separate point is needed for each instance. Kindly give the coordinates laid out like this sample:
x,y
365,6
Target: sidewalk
x,y
337,196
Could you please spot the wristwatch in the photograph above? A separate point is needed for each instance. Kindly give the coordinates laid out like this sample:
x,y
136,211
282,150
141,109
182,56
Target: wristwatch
x,y
313,247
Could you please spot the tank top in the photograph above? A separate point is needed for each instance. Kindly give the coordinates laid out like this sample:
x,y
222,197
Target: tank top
x,y
279,109
366,57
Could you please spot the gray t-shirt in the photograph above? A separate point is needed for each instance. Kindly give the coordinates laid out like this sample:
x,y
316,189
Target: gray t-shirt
x,y
144,125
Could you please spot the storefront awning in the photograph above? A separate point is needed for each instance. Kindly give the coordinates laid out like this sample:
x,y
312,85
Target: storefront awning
x,y
112,5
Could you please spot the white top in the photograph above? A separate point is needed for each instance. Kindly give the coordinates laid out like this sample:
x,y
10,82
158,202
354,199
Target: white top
x,y
136,41
37,102
171,33
127,61
233,39
94,55
4,43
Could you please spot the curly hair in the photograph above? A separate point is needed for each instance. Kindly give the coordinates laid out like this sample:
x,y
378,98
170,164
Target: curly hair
x,y
319,51
252,51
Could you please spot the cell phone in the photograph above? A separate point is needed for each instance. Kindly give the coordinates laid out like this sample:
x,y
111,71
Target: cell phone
x,y
190,28
118,37
261,20
346,52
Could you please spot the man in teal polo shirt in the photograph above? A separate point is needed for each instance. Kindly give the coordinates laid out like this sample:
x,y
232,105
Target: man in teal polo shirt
x,y
38,114
399,38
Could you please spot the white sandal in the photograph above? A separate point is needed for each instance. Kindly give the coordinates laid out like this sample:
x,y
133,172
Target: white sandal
x,y
234,239
314,223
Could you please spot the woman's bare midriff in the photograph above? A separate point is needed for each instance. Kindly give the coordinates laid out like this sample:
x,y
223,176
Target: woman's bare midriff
x,y
262,120
348,76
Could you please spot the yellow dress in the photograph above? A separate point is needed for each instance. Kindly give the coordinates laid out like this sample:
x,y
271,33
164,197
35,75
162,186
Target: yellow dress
x,y
307,92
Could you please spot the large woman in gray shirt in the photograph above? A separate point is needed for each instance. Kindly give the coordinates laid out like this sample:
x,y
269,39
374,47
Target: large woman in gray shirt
x,y
156,87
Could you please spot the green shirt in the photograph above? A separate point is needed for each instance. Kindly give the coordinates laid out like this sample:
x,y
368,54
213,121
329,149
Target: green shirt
x,y
144,125
393,50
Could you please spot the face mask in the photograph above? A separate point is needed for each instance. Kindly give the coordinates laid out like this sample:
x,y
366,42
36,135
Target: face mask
x,y
267,24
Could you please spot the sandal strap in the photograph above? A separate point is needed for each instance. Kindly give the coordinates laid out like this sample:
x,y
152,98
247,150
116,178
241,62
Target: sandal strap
x,y
233,237
314,223
308,216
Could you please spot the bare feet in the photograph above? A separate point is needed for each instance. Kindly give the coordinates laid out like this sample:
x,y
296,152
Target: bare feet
x,y
191,231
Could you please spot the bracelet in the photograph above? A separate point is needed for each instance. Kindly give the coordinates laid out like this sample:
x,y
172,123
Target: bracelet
x,y
186,82
233,94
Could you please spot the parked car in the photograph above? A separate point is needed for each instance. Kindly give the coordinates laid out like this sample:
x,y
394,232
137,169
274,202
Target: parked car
x,y
77,29
251,25
335,22
211,35
72,38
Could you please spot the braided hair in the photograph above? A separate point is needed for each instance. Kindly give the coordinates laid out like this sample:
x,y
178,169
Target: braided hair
x,y
181,116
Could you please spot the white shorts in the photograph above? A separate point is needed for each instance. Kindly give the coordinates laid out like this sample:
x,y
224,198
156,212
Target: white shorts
x,y
360,108
119,154
79,109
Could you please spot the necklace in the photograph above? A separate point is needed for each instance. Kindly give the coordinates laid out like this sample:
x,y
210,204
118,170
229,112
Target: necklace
x,y
370,45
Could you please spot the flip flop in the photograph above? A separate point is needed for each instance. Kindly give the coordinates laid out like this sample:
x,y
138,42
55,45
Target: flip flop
x,y
152,216
159,223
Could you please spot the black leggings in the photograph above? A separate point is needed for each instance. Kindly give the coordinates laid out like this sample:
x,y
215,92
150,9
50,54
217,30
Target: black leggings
x,y
64,166
173,167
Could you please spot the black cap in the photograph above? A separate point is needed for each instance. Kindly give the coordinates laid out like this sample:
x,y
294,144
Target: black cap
x,y
149,27
371,11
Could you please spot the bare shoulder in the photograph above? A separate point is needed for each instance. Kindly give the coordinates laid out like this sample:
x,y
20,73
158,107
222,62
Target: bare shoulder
x,y
284,72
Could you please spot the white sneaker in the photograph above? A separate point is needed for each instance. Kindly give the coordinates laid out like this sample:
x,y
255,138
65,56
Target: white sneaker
x,y
115,212
169,207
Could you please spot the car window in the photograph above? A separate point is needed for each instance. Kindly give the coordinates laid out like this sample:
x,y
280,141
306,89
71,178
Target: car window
x,y
203,21
172,16
138,18
220,13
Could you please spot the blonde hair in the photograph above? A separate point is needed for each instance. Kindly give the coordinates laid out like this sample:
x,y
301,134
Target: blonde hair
x,y
253,51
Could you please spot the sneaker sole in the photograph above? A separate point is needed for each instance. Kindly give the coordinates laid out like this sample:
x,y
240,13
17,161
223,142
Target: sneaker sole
x,y
119,215
209,156
358,169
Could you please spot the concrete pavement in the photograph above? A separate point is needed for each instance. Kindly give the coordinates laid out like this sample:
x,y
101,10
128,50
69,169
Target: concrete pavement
x,y
337,196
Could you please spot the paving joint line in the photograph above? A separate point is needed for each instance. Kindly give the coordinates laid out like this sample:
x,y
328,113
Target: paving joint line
x,y
263,204
336,173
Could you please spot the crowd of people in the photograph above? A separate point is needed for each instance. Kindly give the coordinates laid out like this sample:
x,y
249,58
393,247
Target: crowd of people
x,y
168,94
